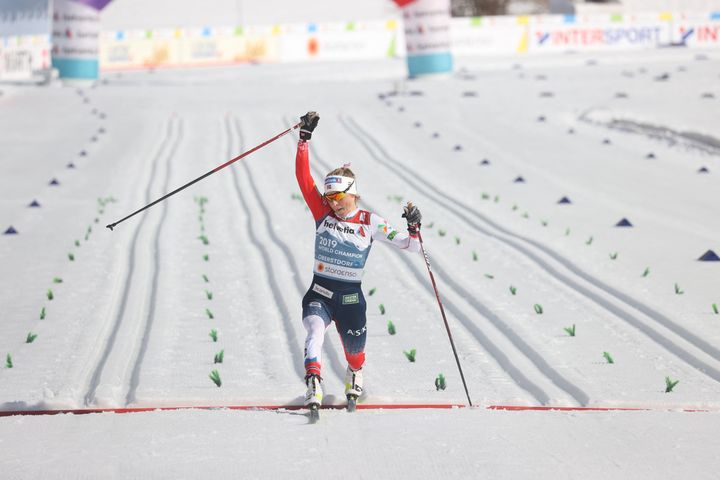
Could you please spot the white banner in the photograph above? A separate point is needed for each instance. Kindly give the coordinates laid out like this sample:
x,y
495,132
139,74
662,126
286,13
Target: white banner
x,y
23,56
500,35
76,41
480,36
427,36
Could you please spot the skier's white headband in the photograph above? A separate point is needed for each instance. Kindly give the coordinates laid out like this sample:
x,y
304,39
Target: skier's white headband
x,y
337,183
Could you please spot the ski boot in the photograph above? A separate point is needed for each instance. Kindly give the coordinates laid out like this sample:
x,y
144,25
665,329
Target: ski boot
x,y
353,387
313,396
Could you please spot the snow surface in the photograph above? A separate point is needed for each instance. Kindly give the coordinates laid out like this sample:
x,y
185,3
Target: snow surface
x,y
128,326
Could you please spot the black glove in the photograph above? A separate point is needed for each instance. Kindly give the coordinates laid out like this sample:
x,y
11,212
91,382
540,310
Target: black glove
x,y
413,216
309,122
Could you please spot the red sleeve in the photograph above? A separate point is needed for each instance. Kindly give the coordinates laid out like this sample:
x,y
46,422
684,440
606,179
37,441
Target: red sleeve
x,y
307,185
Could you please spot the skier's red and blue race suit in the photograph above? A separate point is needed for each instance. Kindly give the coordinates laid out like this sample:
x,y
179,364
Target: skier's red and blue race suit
x,y
342,246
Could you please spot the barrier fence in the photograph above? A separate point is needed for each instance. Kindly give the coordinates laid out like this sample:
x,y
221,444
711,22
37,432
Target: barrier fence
x,y
20,56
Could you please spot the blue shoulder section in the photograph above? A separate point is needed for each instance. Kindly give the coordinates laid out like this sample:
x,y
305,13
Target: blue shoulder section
x,y
319,222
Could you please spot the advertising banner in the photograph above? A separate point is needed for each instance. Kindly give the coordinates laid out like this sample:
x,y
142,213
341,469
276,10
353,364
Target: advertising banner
x,y
188,47
76,42
21,56
24,40
185,47
340,41
501,35
696,31
427,37
568,33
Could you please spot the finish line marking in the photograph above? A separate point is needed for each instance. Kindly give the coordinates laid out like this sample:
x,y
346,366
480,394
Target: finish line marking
x,y
86,411
438,406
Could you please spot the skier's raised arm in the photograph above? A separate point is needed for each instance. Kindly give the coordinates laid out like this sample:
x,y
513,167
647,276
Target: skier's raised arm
x,y
313,198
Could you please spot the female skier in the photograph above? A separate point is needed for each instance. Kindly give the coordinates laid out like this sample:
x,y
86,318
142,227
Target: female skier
x,y
343,236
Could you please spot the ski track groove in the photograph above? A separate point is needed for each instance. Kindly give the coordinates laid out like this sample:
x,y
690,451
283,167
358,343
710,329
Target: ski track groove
x,y
533,356
515,243
292,339
97,374
135,377
515,374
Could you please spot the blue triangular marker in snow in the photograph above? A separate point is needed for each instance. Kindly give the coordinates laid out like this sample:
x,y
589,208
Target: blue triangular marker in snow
x,y
709,256
71,165
54,182
82,153
541,118
519,180
606,141
564,200
624,223
34,204
457,148
650,155
10,231
703,170
485,162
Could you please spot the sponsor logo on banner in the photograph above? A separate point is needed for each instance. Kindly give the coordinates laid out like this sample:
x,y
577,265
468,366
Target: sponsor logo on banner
x,y
700,34
586,37
427,27
76,30
76,39
21,56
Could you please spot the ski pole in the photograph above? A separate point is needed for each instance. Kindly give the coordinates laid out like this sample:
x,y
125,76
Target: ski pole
x,y
442,311
216,169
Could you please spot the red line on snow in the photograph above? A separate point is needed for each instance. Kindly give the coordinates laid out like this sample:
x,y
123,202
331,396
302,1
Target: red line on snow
x,y
523,408
391,406
85,411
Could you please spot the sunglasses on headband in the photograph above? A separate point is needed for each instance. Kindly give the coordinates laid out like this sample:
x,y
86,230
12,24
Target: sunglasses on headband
x,y
337,196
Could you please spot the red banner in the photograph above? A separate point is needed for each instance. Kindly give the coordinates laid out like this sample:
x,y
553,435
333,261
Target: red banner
x,y
402,3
